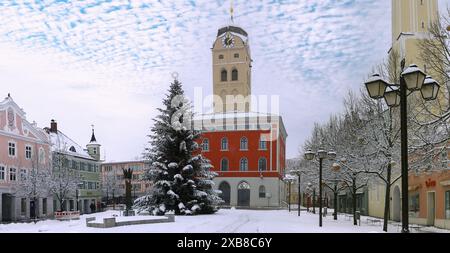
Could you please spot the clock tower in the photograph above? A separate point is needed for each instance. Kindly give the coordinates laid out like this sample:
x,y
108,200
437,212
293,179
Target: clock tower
x,y
231,70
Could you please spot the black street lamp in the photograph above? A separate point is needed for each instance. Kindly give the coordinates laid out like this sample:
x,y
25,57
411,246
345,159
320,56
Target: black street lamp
x,y
314,200
321,154
299,174
336,169
289,197
412,79
289,179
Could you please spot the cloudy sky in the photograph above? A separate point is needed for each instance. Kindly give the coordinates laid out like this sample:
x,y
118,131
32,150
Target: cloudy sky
x,y
109,62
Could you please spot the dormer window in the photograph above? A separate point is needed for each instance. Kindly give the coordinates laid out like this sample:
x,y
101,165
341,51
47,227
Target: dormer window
x,y
72,149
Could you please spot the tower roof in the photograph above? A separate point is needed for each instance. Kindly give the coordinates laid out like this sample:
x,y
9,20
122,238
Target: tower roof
x,y
93,139
232,28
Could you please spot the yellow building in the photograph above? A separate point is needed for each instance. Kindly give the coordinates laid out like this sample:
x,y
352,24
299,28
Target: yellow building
x,y
411,20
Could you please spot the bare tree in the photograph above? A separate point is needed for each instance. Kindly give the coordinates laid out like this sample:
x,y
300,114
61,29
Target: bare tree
x,y
110,185
34,184
64,180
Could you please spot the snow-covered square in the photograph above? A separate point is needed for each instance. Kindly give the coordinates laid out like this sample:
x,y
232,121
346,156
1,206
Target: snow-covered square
x,y
224,221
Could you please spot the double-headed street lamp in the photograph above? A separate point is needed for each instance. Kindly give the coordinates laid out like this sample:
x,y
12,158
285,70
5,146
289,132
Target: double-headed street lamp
x,y
321,154
411,79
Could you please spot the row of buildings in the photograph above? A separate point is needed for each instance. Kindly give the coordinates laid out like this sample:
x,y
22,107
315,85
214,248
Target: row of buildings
x,y
247,148
25,147
428,188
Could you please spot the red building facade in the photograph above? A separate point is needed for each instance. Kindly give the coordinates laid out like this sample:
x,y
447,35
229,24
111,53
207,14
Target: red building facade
x,y
250,159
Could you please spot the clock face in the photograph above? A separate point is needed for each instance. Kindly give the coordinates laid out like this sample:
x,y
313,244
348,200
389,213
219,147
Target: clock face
x,y
228,41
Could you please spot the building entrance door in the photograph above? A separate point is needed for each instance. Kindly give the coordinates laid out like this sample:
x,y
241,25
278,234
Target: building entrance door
x,y
244,194
431,215
32,209
225,188
6,207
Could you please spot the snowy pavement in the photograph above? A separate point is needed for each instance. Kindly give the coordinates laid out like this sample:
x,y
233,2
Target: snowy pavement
x,y
224,221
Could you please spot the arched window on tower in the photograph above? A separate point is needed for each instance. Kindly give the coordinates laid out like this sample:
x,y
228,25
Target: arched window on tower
x,y
234,75
223,75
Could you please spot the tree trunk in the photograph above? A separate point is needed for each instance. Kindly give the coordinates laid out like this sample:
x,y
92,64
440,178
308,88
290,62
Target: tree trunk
x,y
355,222
335,203
387,199
61,206
114,201
128,201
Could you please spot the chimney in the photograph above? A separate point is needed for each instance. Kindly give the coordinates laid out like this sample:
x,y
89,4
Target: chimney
x,y
53,126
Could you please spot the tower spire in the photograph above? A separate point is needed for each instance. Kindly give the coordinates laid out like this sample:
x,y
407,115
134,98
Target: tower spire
x,y
93,139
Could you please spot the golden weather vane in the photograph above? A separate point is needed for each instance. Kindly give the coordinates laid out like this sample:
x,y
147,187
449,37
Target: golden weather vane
x,y
231,11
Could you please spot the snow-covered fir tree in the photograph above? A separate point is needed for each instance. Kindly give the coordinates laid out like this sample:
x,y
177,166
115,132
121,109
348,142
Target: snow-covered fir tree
x,y
182,177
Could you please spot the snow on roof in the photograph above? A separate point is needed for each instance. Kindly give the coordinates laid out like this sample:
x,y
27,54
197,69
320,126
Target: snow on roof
x,y
63,144
9,101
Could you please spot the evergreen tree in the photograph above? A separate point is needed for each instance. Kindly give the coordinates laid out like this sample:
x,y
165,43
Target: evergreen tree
x,y
181,176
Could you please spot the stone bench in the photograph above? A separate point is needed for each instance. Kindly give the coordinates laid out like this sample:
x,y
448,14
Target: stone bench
x,y
112,222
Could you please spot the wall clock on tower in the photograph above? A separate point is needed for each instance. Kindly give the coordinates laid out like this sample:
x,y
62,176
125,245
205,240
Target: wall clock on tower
x,y
228,41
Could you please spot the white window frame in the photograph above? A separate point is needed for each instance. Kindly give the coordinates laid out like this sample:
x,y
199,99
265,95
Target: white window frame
x,y
14,148
260,146
30,151
3,173
244,140
12,174
205,145
241,162
259,164
221,144
221,164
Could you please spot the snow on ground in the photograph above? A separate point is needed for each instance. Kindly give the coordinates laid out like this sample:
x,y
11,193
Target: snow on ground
x,y
224,221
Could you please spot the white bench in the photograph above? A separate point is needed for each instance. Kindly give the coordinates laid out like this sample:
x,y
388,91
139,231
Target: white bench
x,y
373,221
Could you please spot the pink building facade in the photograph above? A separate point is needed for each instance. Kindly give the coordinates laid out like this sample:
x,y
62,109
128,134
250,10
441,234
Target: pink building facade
x,y
23,146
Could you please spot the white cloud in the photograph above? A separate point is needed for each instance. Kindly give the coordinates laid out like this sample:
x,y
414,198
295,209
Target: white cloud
x,y
110,62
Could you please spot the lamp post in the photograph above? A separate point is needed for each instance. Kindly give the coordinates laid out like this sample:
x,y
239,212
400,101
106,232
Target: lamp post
x,y
321,154
314,200
336,168
298,172
289,196
289,179
411,79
